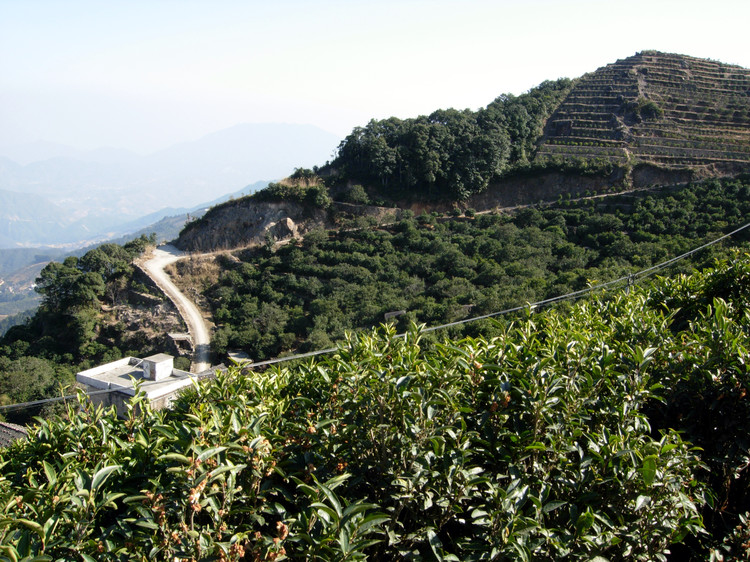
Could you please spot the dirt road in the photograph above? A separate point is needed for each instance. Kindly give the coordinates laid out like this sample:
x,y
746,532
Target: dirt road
x,y
163,256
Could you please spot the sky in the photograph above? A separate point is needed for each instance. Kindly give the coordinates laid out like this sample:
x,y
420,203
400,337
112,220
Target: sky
x,y
145,74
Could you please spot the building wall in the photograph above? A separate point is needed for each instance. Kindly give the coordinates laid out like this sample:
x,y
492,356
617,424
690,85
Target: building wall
x,y
120,400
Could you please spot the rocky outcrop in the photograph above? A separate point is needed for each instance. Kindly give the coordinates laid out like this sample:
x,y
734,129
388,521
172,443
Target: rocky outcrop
x,y
246,222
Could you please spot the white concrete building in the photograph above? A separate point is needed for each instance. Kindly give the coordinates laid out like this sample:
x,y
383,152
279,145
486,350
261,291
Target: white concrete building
x,y
160,381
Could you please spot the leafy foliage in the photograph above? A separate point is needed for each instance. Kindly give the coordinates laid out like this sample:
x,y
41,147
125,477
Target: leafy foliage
x,y
541,443
313,195
438,271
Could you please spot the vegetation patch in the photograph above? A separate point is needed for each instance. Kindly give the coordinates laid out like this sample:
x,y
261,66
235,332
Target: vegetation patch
x,y
307,296
549,441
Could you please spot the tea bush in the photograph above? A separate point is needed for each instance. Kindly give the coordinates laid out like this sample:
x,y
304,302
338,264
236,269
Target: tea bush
x,y
569,436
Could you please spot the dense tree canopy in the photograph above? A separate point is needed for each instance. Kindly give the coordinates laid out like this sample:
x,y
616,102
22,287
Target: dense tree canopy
x,y
38,357
448,154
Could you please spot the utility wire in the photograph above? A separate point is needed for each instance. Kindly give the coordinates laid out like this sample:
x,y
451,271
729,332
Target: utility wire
x,y
577,294
569,296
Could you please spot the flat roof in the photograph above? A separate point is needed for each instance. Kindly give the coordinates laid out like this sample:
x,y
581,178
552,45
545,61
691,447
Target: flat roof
x,y
122,374
159,357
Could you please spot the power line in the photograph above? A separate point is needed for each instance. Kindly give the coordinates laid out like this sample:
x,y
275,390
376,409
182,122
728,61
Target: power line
x,y
569,296
577,294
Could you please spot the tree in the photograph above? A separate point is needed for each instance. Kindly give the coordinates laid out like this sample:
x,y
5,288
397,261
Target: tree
x,y
27,379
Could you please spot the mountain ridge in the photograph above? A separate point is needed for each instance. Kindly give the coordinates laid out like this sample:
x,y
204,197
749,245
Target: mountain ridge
x,y
624,126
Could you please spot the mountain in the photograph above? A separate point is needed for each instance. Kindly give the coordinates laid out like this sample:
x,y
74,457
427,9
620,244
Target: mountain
x,y
97,191
38,151
648,119
28,217
671,111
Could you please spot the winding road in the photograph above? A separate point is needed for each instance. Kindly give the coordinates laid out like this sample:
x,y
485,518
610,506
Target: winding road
x,y
154,267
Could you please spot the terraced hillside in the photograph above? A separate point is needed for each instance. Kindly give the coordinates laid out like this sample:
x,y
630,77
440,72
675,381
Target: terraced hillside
x,y
670,110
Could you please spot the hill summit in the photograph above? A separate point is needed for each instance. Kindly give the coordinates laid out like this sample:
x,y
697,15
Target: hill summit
x,y
665,109
650,119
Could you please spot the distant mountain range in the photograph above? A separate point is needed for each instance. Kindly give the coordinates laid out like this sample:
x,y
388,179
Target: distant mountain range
x,y
19,267
54,195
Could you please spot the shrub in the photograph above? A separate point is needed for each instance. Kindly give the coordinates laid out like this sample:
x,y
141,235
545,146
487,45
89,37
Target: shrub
x,y
357,195
534,444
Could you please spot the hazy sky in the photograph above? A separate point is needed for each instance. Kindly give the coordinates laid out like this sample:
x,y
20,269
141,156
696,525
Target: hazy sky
x,y
146,74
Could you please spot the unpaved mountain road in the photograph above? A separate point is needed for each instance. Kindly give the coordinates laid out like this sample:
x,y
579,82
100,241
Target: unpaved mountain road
x,y
154,267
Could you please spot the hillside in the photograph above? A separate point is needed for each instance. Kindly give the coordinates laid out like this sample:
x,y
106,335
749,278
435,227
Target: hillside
x,y
668,110
650,119
571,435
439,269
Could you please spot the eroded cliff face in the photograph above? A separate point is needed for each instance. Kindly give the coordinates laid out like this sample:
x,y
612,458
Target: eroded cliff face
x,y
549,186
248,223
545,187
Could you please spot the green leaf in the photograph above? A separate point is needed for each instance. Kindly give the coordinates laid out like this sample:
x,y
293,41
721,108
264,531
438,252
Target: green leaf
x,y
102,474
32,525
435,543
175,457
208,453
642,501
371,522
644,357
322,424
403,381
668,447
166,432
584,522
226,468
139,498
344,540
326,512
355,508
552,506
649,470
331,498
49,471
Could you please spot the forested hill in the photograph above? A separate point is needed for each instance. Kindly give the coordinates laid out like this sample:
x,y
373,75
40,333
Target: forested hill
x,y
449,153
653,110
650,119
